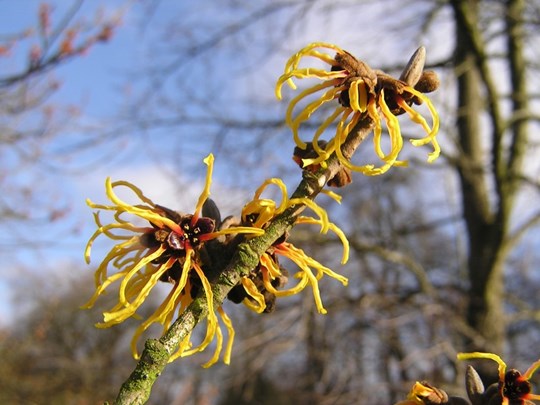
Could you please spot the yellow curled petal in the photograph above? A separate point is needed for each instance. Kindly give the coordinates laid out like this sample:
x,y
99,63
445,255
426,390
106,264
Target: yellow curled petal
x,y
358,95
304,74
310,109
334,228
490,356
142,263
143,212
307,92
333,195
211,319
294,60
321,212
219,345
353,96
431,132
137,191
254,293
282,188
270,265
394,130
162,315
230,330
264,209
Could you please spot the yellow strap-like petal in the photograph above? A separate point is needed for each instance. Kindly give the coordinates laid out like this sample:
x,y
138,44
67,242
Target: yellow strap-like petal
x,y
209,161
147,214
254,293
211,319
230,330
531,370
264,209
305,73
282,187
217,351
490,356
293,61
431,132
147,259
341,235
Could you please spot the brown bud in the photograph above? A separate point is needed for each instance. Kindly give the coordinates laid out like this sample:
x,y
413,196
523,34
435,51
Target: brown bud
x,y
474,385
413,71
342,178
435,397
429,81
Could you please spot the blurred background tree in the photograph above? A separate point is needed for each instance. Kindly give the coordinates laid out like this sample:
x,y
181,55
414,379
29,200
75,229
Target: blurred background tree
x,y
443,255
32,120
44,356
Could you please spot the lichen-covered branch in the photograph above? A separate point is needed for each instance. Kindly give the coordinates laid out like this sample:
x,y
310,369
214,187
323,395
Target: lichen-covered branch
x,y
156,354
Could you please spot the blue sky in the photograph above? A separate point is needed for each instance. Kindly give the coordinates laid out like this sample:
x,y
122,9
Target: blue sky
x,y
99,84
91,78
167,162
103,83
238,73
91,82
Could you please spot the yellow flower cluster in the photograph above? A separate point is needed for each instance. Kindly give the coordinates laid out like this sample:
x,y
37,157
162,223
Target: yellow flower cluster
x,y
261,211
168,248
360,91
513,385
165,250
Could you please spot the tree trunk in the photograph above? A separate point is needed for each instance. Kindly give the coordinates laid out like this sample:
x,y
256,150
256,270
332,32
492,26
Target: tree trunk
x,y
485,231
